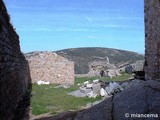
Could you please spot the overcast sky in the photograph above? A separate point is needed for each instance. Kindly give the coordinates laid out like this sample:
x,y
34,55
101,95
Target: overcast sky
x,y
59,24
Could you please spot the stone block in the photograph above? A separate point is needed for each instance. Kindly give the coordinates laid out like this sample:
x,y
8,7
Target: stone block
x,y
96,88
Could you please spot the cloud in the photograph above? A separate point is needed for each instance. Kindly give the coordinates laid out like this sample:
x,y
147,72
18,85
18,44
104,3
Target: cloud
x,y
22,29
88,19
34,29
91,37
126,18
17,7
119,26
114,26
102,18
43,29
72,29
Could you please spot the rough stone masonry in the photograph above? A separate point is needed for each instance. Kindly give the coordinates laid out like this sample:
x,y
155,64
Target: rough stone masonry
x,y
48,66
152,39
14,72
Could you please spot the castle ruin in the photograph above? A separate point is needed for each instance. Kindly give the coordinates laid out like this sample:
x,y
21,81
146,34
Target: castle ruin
x,y
48,66
14,72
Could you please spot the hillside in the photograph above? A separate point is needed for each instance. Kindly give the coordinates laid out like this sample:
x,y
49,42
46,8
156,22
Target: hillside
x,y
83,56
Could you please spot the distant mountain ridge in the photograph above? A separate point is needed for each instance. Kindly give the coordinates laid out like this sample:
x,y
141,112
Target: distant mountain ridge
x,y
83,56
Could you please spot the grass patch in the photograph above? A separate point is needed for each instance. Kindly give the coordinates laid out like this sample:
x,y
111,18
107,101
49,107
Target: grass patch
x,y
47,99
123,77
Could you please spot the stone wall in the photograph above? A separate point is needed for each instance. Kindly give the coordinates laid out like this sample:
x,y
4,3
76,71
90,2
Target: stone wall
x,y
137,66
48,66
14,72
97,66
152,39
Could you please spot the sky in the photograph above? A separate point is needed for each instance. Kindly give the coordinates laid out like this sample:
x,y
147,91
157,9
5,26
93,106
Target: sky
x,y
50,25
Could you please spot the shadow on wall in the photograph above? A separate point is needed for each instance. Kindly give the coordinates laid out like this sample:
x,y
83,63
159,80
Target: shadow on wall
x,y
15,80
22,111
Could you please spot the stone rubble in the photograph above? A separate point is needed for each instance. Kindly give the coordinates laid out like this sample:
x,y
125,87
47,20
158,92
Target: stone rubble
x,y
103,92
63,86
97,66
40,82
113,87
97,88
112,73
77,93
138,97
138,66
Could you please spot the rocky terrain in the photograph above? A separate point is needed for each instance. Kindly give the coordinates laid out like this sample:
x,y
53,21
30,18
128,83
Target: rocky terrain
x,y
140,100
90,62
83,57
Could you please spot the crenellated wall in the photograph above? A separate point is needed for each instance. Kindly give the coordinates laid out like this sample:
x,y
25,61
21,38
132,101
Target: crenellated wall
x,y
14,70
152,39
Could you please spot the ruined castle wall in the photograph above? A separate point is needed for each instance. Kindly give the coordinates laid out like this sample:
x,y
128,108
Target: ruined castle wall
x,y
14,73
48,66
152,39
97,66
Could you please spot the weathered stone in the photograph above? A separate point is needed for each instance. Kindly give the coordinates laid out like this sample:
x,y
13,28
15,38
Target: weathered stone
x,y
96,67
14,72
48,66
139,98
92,104
130,101
138,66
103,93
112,88
96,88
101,111
152,39
125,85
112,73
77,93
85,90
142,97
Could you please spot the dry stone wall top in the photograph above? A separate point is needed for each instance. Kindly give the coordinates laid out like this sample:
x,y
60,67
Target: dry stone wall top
x,y
48,66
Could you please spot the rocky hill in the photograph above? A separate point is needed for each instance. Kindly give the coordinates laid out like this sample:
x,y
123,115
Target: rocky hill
x,y
83,56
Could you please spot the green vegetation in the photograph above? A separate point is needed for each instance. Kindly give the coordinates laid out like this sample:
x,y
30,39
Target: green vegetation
x,y
83,56
47,99
123,77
